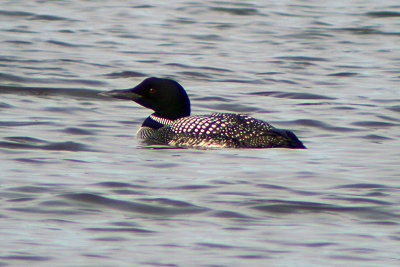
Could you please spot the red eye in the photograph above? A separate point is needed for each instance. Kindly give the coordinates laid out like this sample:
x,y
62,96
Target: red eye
x,y
152,90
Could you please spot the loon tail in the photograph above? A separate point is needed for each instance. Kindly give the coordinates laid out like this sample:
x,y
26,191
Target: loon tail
x,y
287,138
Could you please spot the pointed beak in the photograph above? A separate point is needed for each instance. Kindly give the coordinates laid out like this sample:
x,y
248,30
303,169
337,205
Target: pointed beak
x,y
126,94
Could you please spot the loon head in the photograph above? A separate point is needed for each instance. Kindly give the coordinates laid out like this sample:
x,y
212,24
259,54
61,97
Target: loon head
x,y
166,97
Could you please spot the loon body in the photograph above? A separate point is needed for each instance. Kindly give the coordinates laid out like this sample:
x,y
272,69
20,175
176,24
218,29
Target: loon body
x,y
171,123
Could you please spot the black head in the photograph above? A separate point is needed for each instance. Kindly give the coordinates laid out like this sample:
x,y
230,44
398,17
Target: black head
x,y
166,97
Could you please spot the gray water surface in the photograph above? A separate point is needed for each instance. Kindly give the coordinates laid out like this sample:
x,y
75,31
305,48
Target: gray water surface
x,y
78,189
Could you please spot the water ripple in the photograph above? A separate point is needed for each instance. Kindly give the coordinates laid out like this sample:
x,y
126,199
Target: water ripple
x,y
383,14
25,258
374,124
395,108
303,58
120,230
32,16
236,11
125,74
321,125
367,30
161,206
23,123
282,206
43,91
78,131
292,95
23,142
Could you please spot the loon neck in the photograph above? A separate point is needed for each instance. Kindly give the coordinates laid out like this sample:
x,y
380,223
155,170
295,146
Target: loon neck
x,y
156,122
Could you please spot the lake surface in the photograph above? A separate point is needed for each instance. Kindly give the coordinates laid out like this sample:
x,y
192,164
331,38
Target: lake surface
x,y
78,189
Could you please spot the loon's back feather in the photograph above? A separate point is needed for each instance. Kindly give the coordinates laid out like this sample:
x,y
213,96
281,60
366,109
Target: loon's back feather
x,y
223,130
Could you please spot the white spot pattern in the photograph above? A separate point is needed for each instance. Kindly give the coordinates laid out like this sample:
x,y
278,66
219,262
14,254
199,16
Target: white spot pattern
x,y
161,120
219,130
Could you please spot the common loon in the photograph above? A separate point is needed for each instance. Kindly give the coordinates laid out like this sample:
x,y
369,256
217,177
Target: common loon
x,y
171,123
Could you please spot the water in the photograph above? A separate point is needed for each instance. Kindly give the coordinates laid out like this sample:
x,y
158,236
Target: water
x,y
77,188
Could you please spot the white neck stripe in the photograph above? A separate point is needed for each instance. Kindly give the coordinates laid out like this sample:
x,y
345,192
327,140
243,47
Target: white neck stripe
x,y
163,121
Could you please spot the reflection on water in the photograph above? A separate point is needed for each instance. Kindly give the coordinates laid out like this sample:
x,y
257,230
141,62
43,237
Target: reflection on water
x,y
77,186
